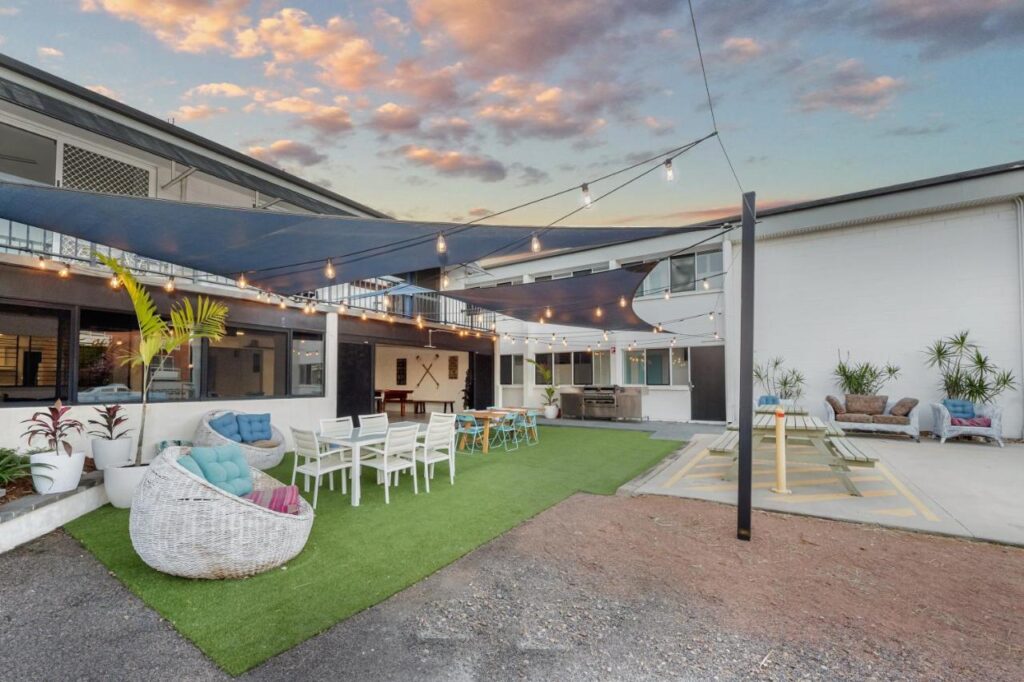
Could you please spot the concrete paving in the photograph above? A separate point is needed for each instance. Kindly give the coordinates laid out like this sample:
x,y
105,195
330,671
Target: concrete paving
x,y
658,430
964,489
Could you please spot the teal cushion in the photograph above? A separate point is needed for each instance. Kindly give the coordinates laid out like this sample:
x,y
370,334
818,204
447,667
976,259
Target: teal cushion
x,y
190,464
961,409
254,427
768,400
227,426
225,467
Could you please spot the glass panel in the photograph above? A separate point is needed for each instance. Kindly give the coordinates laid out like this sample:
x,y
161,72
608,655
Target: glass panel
x,y
511,370
680,367
633,367
32,355
657,281
602,368
517,369
505,370
307,364
582,368
683,277
27,155
563,369
657,367
247,363
542,360
105,339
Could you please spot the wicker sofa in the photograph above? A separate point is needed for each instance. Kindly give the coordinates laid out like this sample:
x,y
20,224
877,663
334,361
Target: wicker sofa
x,y
183,525
874,414
944,427
259,455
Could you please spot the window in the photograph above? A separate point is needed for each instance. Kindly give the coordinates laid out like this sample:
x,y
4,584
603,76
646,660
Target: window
x,y
633,368
308,364
680,367
685,273
542,369
682,273
563,369
658,280
710,266
511,370
602,361
542,278
105,339
657,367
33,355
27,155
582,369
247,363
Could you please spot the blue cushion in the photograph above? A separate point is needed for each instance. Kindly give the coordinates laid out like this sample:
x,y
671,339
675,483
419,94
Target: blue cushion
x,y
768,400
254,427
225,467
190,464
227,426
963,409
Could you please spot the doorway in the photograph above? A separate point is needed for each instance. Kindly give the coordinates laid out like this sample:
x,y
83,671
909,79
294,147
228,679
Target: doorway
x,y
707,383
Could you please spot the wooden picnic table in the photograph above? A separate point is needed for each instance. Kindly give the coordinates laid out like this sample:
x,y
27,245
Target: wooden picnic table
x,y
488,416
770,409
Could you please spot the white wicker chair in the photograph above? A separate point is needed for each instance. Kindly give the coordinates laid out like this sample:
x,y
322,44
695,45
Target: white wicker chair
x,y
259,457
183,525
944,429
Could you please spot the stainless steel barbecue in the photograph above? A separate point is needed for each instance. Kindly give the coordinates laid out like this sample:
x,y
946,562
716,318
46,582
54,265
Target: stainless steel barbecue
x,y
602,402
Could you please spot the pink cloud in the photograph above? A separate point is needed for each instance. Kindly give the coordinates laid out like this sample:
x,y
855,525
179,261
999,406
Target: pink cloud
x,y
850,88
394,118
659,126
430,86
454,163
446,129
324,118
519,108
49,53
283,151
389,25
740,50
217,90
183,25
197,112
105,91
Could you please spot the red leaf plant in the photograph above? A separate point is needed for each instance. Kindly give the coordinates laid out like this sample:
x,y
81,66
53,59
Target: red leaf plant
x,y
52,426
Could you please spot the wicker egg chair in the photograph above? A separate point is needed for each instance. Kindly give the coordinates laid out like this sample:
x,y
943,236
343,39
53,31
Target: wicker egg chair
x,y
182,525
256,456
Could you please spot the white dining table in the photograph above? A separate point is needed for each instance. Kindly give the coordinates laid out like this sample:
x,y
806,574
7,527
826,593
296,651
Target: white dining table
x,y
357,440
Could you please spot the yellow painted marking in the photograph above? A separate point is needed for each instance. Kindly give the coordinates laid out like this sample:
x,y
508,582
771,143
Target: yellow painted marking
x,y
686,469
911,497
896,511
803,482
831,497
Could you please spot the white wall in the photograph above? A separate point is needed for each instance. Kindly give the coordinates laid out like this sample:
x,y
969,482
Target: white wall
x,y
883,292
444,389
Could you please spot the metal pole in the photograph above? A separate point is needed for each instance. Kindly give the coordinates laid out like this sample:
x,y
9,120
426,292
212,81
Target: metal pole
x,y
746,407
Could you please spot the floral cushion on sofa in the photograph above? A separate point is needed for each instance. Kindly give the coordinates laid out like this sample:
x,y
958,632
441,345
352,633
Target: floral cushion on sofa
x,y
866,404
854,417
890,419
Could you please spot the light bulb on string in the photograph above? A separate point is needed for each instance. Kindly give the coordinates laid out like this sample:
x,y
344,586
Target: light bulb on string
x,y
549,346
622,301
711,315
670,174
281,304
668,294
442,245
716,336
41,263
547,312
445,281
589,350
673,340
704,282
169,285
387,301
242,282
552,336
64,271
363,316
342,308
606,335
598,312
115,282
564,342
587,201
329,272
493,326
541,319
535,244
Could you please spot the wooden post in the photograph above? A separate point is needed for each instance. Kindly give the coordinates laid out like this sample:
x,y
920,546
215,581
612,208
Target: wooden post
x,y
745,458
780,452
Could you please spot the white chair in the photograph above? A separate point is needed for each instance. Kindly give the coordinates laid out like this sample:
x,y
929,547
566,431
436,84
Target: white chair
x,y
339,429
373,423
438,446
319,461
398,454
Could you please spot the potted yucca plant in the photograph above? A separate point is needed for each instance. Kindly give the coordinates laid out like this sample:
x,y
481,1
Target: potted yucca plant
x,y
62,463
110,445
158,339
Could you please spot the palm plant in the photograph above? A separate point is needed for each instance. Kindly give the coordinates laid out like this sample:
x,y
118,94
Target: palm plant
x,y
158,338
787,384
967,373
550,393
864,378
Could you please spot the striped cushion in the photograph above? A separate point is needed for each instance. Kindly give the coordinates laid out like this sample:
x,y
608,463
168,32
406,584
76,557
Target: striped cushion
x,y
284,499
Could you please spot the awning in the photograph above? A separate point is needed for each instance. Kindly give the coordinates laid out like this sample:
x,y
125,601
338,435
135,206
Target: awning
x,y
592,301
282,252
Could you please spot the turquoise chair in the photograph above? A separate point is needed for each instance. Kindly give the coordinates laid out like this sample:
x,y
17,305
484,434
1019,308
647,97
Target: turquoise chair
x,y
506,430
529,428
467,426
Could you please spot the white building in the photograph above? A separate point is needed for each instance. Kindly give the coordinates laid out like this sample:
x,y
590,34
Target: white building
x,y
877,274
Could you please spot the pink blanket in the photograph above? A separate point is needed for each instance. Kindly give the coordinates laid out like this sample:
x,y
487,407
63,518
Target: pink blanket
x,y
284,499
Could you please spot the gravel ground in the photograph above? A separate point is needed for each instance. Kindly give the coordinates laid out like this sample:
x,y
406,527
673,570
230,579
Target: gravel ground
x,y
595,588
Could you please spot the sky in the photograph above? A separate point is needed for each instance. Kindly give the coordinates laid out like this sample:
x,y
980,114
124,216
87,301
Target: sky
x,y
450,109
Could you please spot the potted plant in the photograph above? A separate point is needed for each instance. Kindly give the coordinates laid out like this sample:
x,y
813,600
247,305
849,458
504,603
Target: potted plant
x,y
967,373
54,427
785,384
550,393
110,447
158,339
863,378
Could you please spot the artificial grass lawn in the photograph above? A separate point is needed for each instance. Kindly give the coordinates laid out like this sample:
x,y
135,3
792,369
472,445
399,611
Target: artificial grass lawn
x,y
359,556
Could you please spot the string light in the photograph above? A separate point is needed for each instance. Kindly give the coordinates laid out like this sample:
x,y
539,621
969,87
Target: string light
x,y
115,282
281,304
535,244
493,326
667,295
442,245
711,315
541,320
588,349
342,308
242,282
716,336
704,282
363,316
670,174
598,312
42,263
564,342
169,285
673,340
658,329
587,201
445,281
606,335
387,301
622,301
547,312
64,271
329,269
552,336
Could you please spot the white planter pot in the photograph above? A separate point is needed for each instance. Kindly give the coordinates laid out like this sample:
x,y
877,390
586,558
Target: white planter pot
x,y
550,411
108,454
121,483
62,475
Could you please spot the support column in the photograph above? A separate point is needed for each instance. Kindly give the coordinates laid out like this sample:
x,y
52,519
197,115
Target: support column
x,y
746,393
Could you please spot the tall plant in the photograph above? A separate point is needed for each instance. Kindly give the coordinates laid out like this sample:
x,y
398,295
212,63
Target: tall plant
x,y
967,373
778,381
550,393
158,338
864,378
